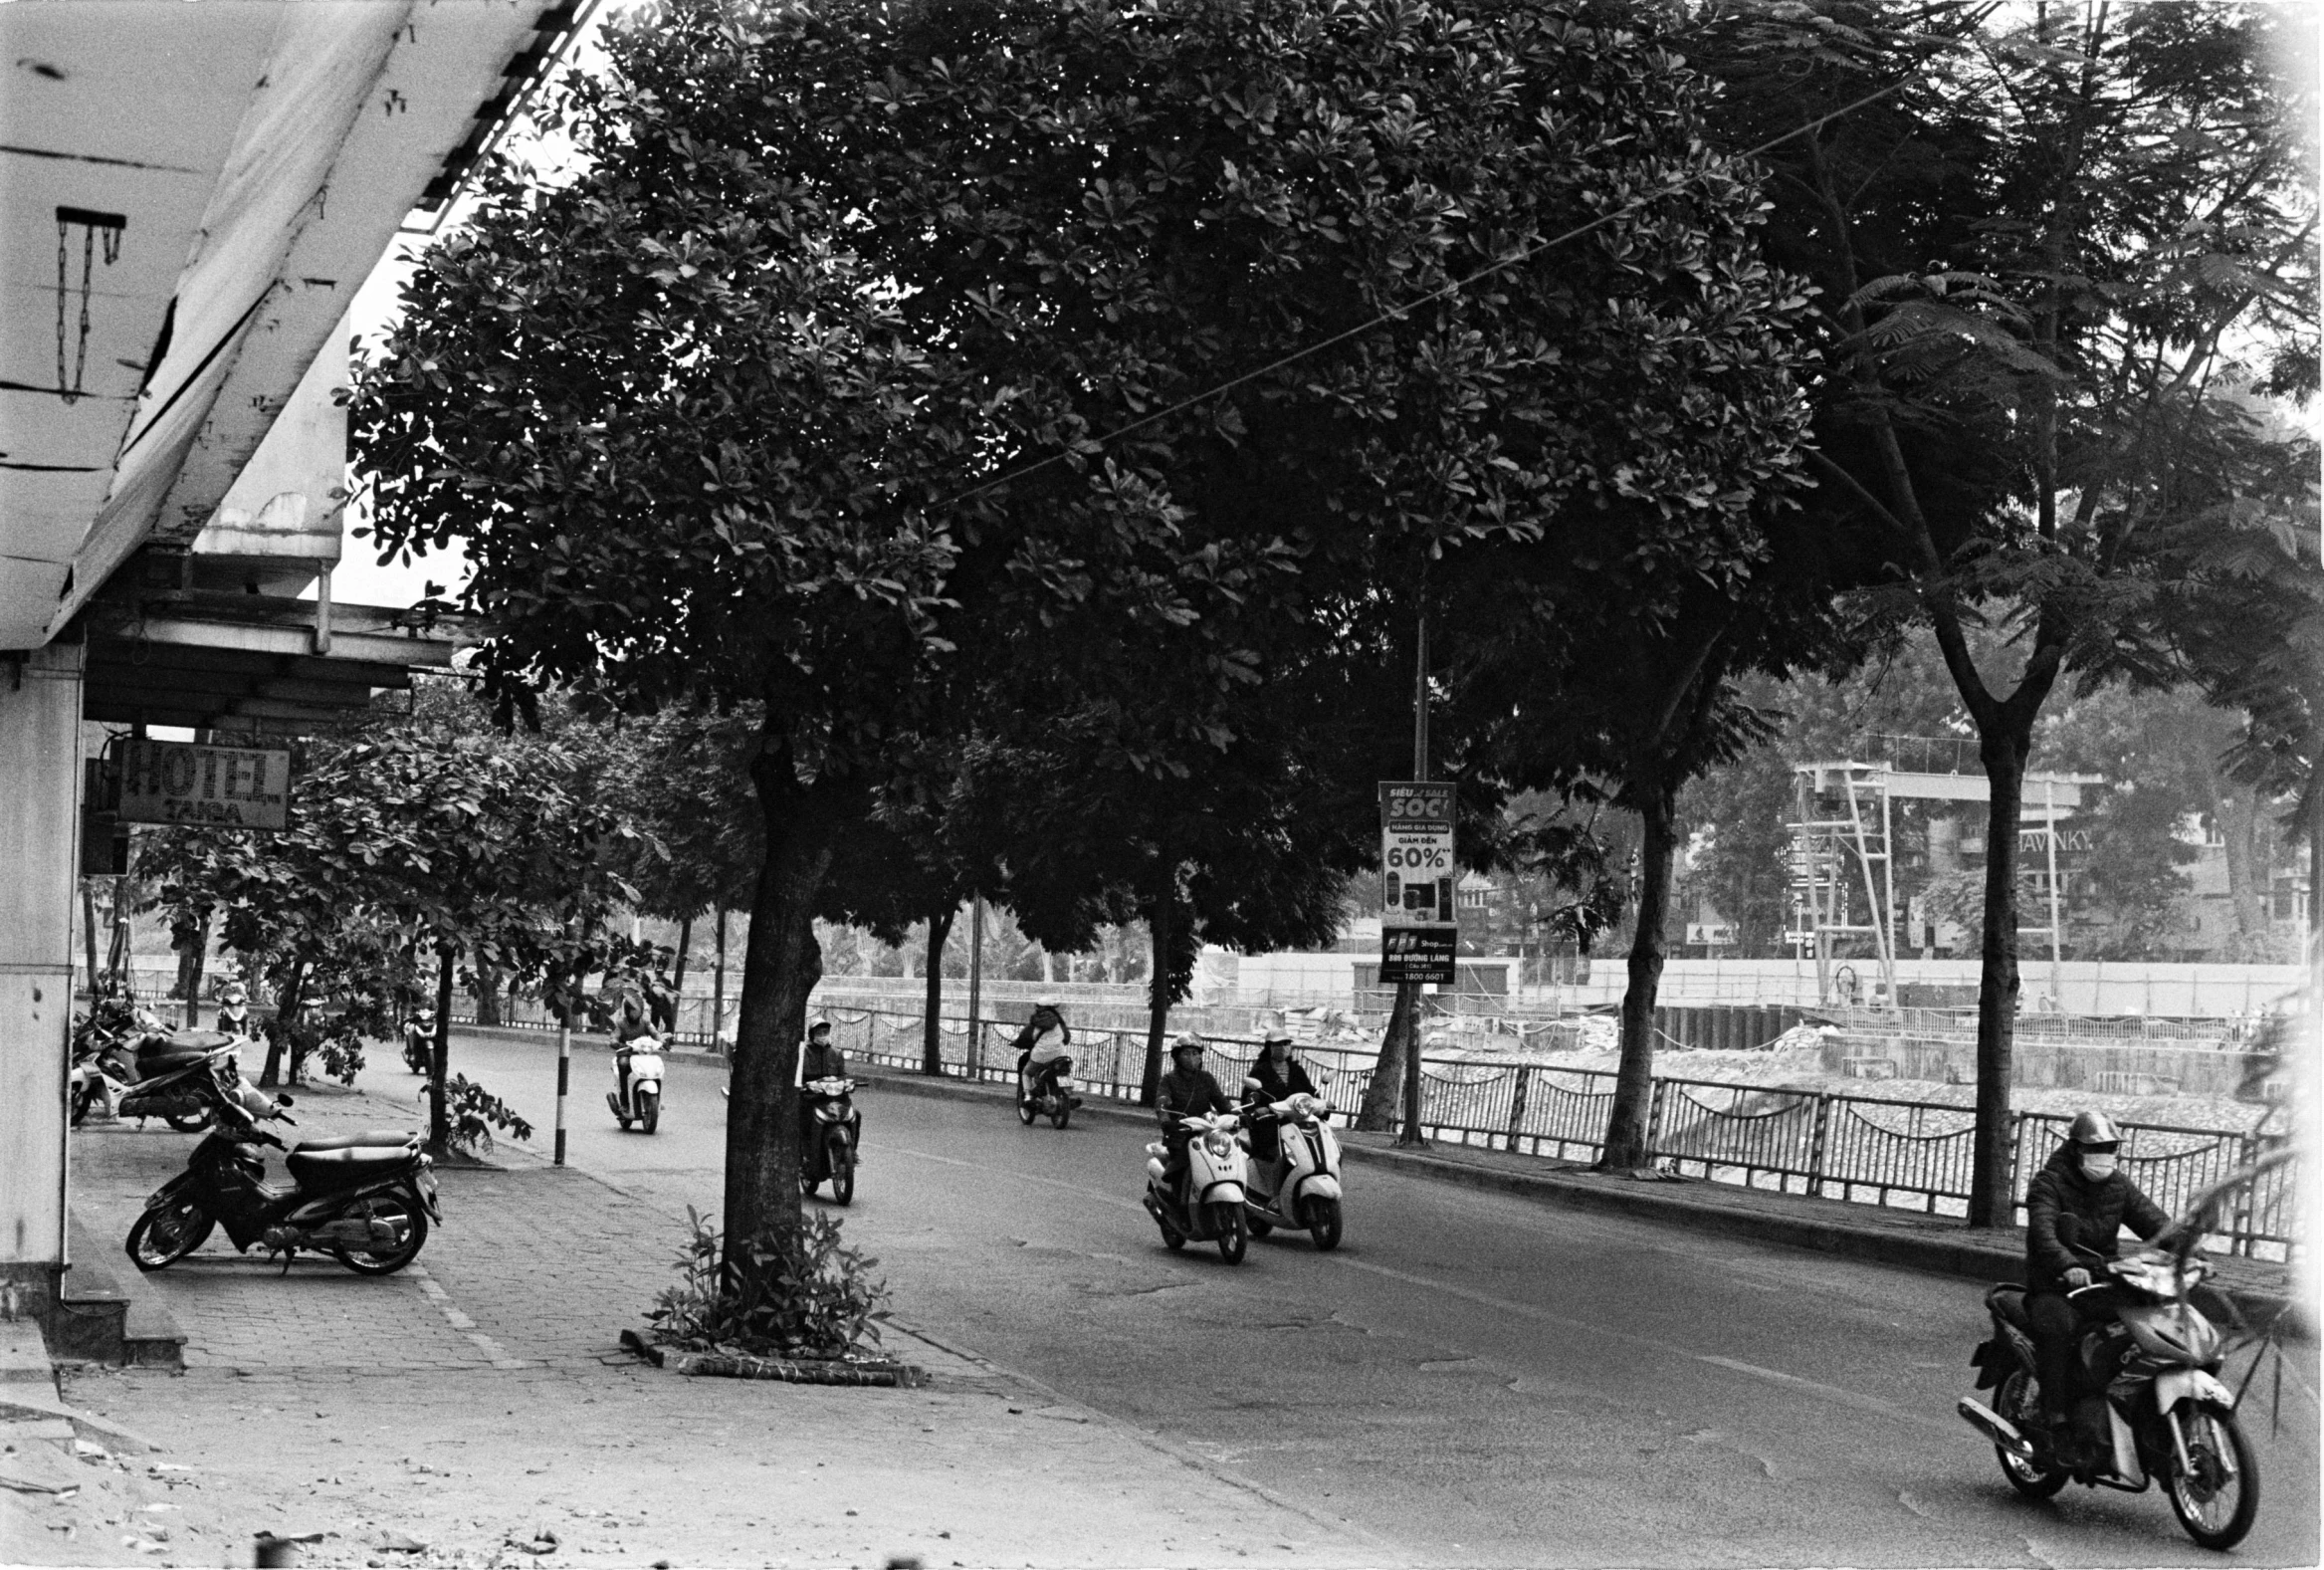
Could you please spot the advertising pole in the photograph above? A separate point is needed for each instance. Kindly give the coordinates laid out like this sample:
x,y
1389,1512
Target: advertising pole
x,y
565,1073
1411,1137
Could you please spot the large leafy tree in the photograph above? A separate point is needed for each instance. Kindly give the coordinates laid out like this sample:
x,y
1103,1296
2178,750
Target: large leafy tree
x,y
2038,259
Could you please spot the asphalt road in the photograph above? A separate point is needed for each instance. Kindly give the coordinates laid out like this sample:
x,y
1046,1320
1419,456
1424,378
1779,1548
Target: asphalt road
x,y
1478,1378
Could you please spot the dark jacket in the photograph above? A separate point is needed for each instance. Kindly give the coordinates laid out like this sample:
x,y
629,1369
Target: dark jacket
x,y
2101,1208
1273,1086
1197,1092
822,1062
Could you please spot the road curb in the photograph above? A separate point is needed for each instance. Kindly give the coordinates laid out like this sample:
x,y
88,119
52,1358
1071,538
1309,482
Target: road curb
x,y
1765,1218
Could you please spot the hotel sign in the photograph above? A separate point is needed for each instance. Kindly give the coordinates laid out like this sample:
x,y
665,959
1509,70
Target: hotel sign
x,y
189,783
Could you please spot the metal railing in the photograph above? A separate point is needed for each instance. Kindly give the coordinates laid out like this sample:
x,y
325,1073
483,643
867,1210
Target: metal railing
x,y
1864,1149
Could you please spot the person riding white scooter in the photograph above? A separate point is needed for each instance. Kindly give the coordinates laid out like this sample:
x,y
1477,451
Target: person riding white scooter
x,y
637,1060
1295,1158
1196,1196
1044,1051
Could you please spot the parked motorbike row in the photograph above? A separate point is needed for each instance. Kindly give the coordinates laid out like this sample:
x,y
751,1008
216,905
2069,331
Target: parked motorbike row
x,y
145,1071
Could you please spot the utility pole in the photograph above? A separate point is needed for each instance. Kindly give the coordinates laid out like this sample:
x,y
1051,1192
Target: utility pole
x,y
1411,1138
976,987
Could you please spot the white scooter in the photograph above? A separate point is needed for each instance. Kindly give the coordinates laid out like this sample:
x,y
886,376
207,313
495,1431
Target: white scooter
x,y
636,1097
1207,1204
1299,1187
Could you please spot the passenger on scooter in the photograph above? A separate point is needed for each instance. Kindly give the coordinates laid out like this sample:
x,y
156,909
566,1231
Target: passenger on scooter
x,y
1044,1045
1187,1090
2080,1200
633,1022
1279,1075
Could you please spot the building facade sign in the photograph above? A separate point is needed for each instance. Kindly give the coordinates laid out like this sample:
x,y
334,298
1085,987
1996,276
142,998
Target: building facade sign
x,y
189,782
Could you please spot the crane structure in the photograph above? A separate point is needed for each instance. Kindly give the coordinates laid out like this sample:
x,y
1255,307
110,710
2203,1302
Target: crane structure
x,y
1845,844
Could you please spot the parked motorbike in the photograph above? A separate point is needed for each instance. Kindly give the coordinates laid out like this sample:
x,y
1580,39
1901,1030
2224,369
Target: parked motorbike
x,y
831,1151
419,1042
636,1097
150,1073
364,1199
2168,1416
1055,1101
1299,1187
1206,1203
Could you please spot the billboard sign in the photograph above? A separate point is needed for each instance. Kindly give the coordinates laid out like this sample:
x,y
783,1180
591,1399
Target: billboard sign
x,y
1418,953
189,782
1415,850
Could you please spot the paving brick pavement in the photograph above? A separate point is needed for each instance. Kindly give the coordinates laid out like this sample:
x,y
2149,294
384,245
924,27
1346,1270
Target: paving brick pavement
x,y
454,1414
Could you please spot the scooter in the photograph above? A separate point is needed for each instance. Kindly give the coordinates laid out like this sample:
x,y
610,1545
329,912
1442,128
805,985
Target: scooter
x,y
1056,1099
364,1199
1299,1187
2166,1413
830,1151
154,1075
419,1042
1207,1202
636,1097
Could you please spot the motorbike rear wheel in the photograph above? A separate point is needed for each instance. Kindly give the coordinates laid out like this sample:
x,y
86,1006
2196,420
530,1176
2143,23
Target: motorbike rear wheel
x,y
188,1122
1323,1223
83,1099
1256,1226
1233,1237
387,1262
840,1154
162,1237
2215,1509
2018,1399
649,1110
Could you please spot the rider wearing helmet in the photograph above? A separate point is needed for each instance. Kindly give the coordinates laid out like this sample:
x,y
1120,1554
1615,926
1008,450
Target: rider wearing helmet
x,y
1045,1045
234,1010
633,1022
1279,1075
1187,1090
818,1059
2080,1201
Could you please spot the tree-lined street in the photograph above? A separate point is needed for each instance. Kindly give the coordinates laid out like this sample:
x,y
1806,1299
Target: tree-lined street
x,y
1532,1385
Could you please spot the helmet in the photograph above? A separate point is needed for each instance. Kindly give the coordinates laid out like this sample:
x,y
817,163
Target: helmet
x,y
821,1021
1275,1034
1048,1000
2093,1128
1188,1043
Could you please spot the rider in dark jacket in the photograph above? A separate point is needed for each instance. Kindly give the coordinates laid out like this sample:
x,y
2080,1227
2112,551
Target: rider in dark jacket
x,y
1187,1090
1279,1075
2077,1200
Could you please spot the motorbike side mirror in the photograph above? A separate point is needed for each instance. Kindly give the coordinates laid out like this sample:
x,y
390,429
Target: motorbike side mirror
x,y
1251,1084
284,1101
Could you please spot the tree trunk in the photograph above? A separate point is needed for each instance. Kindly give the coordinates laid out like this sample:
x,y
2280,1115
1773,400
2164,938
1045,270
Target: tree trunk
x,y
197,957
440,1060
678,982
1627,1145
89,936
286,1015
932,1050
1383,1095
488,996
780,966
2238,812
2003,749
717,982
1159,918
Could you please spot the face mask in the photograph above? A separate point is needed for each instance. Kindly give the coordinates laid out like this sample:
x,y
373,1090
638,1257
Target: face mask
x,y
2095,1164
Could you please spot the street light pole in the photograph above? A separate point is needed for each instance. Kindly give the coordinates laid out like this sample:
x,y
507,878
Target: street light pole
x,y
1411,1138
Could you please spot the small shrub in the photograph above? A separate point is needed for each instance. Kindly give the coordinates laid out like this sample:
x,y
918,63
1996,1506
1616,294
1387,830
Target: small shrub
x,y
473,1112
813,1297
341,1050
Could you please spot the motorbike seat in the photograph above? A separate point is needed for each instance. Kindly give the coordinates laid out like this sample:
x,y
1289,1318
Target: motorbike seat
x,y
153,1062
330,1169
2008,1302
369,1138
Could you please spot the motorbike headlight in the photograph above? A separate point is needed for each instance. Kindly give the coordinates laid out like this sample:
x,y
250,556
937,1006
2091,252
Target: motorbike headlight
x,y
1217,1143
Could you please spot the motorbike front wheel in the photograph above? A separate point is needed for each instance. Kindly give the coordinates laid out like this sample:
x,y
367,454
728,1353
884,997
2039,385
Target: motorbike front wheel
x,y
83,1097
1062,1113
1026,1110
2017,1400
387,1262
649,1110
840,1154
1233,1237
2217,1509
162,1237
1323,1223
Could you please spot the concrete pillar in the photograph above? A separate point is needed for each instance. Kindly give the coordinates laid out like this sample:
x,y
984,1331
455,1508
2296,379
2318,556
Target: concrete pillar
x,y
40,798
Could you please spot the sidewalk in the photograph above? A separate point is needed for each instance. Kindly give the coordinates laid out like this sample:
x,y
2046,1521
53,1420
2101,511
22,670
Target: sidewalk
x,y
477,1409
1882,1234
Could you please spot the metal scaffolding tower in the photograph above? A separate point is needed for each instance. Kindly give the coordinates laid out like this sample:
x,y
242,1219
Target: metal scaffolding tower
x,y
1843,864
